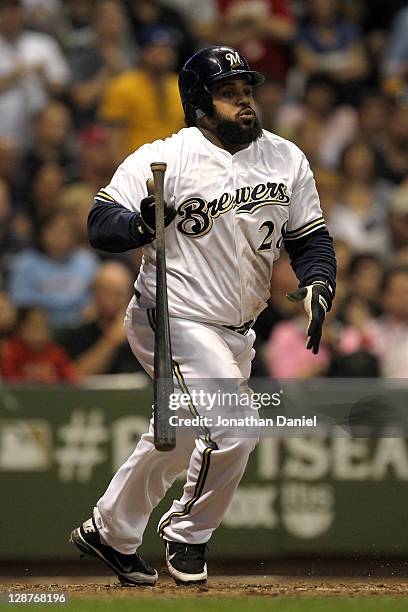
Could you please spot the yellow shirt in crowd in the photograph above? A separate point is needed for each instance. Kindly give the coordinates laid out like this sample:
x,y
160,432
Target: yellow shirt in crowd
x,y
148,113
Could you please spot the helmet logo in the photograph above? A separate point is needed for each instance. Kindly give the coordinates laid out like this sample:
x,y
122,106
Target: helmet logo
x,y
234,59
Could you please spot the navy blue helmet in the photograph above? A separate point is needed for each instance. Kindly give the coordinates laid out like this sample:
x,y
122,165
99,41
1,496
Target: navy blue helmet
x,y
205,67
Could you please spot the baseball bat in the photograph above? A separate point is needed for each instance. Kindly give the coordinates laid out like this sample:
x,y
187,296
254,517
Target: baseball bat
x,y
164,433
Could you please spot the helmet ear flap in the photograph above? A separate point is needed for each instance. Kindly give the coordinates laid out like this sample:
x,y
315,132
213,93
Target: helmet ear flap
x,y
202,100
197,99
190,115
192,112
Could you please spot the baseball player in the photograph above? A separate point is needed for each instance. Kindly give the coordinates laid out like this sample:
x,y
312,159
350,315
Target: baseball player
x,y
235,194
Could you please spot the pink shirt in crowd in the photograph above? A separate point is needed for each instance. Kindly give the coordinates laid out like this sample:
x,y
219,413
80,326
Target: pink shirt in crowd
x,y
385,338
286,355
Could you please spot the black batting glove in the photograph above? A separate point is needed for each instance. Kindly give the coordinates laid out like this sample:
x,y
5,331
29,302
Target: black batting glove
x,y
145,223
317,300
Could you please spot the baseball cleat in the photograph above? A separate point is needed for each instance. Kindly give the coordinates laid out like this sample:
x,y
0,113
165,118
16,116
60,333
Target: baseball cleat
x,y
130,569
186,562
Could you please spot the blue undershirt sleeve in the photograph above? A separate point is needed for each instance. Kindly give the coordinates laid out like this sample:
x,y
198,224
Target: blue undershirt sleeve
x,y
312,257
114,228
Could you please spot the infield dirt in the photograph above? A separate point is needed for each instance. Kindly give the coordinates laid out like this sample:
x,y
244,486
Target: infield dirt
x,y
218,586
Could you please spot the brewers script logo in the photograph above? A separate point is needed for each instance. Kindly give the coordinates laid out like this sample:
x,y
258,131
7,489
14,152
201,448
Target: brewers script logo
x,y
234,59
198,214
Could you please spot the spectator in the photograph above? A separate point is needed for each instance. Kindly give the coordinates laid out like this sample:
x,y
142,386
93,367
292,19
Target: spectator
x,y
32,68
387,337
143,104
10,169
100,345
308,138
360,218
46,188
96,156
328,185
200,17
73,28
30,356
262,31
109,54
360,364
329,44
398,218
395,67
51,143
76,199
42,15
373,111
10,241
269,99
360,300
148,14
377,18
8,318
392,155
337,123
10,173
55,275
365,276
401,256
352,311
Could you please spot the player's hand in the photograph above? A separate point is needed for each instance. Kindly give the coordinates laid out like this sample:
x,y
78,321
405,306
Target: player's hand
x,y
317,300
147,211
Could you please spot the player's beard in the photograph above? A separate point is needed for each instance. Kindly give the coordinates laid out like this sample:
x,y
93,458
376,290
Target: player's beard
x,y
232,133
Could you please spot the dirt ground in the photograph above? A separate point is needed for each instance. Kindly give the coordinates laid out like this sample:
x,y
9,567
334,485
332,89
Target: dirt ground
x,y
218,586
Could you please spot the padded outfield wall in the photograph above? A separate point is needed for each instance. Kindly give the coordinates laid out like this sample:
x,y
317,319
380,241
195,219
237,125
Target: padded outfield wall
x,y
321,494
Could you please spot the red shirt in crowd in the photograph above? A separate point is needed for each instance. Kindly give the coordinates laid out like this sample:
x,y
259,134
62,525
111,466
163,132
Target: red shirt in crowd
x,y
263,53
21,364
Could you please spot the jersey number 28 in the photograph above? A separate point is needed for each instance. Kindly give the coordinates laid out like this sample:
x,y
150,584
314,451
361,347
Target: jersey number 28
x,y
266,243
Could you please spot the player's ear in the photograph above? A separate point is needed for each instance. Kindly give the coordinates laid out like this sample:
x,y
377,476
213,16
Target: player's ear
x,y
150,187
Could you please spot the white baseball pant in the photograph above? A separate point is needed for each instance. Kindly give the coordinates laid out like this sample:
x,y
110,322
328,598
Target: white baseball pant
x,y
214,465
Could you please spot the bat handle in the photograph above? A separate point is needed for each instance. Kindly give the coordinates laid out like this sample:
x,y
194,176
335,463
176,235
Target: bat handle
x,y
158,169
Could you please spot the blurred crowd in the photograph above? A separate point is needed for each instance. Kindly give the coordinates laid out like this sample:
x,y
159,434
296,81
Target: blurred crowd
x,y
85,82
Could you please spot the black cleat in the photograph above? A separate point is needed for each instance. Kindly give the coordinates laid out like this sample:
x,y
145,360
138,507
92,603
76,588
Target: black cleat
x,y
130,569
186,562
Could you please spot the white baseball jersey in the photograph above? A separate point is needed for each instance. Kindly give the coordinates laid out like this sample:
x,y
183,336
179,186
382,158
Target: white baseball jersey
x,y
231,213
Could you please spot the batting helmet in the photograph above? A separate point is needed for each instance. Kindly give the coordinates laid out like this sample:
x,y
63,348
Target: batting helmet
x,y
205,67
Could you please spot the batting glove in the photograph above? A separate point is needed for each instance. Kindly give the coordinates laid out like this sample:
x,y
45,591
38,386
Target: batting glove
x,y
146,221
317,300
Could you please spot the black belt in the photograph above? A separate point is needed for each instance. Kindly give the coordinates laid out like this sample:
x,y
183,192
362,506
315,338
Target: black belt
x,y
241,329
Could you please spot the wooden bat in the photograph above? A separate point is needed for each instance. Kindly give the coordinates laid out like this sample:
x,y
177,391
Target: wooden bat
x,y
164,433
